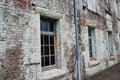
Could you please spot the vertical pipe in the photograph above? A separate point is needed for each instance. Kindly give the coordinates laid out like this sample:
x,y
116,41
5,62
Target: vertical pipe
x,y
77,53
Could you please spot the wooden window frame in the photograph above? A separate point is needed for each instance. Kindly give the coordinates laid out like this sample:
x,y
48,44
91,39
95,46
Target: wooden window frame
x,y
49,34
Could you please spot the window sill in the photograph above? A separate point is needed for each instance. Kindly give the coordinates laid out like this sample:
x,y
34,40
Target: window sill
x,y
93,63
112,58
51,74
47,68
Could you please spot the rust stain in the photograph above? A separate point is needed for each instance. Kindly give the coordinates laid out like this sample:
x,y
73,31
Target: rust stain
x,y
70,64
82,20
20,4
118,56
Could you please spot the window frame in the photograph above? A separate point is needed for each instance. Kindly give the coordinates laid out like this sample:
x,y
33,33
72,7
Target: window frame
x,y
49,34
92,53
118,6
110,42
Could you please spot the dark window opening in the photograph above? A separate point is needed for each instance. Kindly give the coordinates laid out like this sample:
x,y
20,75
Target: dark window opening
x,y
91,38
110,42
47,42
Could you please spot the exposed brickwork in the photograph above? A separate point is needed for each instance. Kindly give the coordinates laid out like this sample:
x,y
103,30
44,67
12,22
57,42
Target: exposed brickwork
x,y
11,37
20,41
103,19
20,57
12,65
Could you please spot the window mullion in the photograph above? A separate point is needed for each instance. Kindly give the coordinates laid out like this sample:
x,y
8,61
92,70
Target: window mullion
x,y
49,52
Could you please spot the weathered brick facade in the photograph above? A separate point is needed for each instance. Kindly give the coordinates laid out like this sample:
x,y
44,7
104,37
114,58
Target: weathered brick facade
x,y
103,17
20,41
20,52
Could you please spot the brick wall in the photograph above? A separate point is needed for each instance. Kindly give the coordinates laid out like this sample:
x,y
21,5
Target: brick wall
x,y
20,54
15,20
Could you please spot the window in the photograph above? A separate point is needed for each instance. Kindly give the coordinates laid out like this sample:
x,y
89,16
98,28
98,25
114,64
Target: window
x,y
47,42
110,43
91,4
119,38
91,38
118,5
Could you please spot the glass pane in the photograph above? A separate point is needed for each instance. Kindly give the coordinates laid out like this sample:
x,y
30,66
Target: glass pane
x,y
46,40
110,42
52,60
46,50
45,25
90,42
42,40
90,47
42,64
48,25
51,27
47,63
42,25
42,50
89,32
51,40
52,50
90,51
